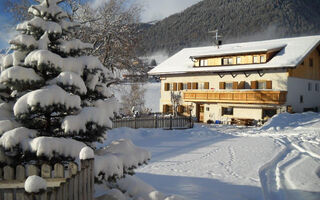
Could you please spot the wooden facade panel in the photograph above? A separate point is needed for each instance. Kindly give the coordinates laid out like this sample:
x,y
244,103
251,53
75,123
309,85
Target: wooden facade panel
x,y
264,97
213,96
306,71
202,96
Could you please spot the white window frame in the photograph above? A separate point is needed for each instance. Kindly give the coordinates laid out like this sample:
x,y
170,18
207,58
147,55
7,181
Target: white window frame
x,y
255,59
170,86
203,62
262,59
228,84
200,86
262,85
238,60
185,86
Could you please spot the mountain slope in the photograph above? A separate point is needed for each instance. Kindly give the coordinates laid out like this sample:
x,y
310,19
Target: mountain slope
x,y
236,20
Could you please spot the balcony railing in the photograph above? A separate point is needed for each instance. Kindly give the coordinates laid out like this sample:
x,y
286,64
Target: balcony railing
x,y
252,97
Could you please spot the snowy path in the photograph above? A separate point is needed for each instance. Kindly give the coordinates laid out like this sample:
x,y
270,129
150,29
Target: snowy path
x,y
221,162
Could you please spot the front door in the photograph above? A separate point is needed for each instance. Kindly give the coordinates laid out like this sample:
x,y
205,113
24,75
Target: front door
x,y
200,112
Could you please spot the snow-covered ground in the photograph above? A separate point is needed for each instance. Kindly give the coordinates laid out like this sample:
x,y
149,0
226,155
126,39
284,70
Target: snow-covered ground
x,y
281,160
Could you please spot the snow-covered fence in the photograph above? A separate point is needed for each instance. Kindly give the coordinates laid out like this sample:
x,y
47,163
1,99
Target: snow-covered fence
x,y
64,181
165,122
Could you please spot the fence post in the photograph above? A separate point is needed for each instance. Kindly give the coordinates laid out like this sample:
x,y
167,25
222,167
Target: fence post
x,y
190,120
135,122
170,122
155,122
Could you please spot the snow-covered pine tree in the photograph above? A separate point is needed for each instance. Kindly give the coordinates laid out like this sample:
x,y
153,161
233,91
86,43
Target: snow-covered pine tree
x,y
57,90
60,100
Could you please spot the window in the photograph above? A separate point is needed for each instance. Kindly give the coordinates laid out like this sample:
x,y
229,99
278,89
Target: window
x,y
262,85
238,60
301,98
171,86
203,62
262,59
309,86
227,111
229,86
311,62
201,86
255,59
185,86
302,63
316,87
207,109
227,61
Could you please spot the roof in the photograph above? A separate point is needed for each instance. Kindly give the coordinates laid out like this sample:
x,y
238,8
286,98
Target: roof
x,y
292,53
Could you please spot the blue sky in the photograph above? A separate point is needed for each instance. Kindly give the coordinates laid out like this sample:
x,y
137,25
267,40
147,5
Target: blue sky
x,y
151,10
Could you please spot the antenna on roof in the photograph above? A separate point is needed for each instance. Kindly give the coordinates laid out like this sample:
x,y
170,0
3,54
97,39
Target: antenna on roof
x,y
217,42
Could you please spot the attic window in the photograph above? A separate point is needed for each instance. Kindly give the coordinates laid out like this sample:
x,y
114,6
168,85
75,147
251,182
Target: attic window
x,y
238,60
203,62
227,61
311,62
255,59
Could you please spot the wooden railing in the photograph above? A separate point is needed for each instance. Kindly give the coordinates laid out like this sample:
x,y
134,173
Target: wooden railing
x,y
165,122
64,181
253,97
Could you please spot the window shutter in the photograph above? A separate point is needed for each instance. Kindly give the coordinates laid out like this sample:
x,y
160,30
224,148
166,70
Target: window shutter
x,y
166,86
194,86
189,86
174,86
269,85
241,85
180,109
222,85
254,84
165,109
170,108
206,85
180,86
235,85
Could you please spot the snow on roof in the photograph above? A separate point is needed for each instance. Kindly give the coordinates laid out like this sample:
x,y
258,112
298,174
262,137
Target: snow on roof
x,y
293,51
240,49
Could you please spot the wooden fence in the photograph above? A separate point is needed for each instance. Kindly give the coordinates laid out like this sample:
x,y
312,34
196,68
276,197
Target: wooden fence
x,y
164,122
64,181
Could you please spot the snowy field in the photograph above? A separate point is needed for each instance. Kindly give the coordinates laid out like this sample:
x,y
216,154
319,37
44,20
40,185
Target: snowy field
x,y
278,161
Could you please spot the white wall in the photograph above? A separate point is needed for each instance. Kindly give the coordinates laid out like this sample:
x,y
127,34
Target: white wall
x,y
297,87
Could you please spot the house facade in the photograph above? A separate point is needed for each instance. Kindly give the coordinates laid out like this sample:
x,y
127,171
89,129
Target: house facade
x,y
248,81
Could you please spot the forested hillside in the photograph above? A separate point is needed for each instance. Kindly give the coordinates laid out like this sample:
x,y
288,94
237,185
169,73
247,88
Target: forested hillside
x,y
236,20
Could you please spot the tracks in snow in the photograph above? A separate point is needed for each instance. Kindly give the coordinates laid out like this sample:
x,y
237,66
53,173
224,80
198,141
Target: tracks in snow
x,y
276,176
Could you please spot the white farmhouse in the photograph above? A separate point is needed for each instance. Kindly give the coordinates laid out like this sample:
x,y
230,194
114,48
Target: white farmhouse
x,y
244,81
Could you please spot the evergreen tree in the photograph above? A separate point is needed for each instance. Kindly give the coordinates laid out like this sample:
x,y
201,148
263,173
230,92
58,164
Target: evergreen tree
x,y
59,101
56,88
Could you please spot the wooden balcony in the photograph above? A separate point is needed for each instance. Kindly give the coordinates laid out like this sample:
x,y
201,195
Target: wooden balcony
x,y
251,97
